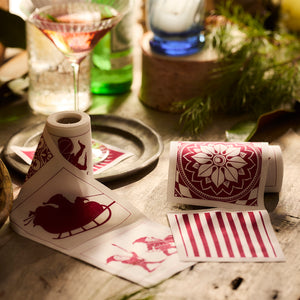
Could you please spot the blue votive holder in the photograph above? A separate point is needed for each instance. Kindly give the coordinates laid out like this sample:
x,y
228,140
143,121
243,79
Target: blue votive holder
x,y
177,26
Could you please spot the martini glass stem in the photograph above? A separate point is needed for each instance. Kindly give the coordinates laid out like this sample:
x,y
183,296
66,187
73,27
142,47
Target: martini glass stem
x,y
75,68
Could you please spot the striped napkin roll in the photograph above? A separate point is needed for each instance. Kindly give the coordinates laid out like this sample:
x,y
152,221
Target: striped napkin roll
x,y
232,177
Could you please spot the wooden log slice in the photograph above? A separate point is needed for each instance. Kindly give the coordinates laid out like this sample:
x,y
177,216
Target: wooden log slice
x,y
166,79
6,193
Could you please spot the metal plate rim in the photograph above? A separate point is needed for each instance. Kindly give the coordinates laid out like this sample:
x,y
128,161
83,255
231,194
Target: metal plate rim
x,y
104,120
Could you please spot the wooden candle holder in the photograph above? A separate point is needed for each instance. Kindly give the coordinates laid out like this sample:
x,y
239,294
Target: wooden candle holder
x,y
166,80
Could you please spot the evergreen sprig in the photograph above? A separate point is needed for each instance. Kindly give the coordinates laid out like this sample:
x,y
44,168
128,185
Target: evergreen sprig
x,y
256,72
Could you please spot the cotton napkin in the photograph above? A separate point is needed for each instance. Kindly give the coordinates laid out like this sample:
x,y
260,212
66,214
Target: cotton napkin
x,y
104,156
233,178
62,206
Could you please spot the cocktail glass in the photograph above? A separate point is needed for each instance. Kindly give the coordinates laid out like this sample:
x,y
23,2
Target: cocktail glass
x,y
76,27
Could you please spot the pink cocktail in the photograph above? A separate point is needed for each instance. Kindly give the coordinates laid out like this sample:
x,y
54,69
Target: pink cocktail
x,y
76,27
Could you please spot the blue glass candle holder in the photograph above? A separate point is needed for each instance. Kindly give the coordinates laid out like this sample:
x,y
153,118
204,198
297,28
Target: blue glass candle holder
x,y
177,26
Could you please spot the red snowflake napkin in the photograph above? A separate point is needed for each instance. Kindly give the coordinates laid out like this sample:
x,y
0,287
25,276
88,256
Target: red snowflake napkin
x,y
232,177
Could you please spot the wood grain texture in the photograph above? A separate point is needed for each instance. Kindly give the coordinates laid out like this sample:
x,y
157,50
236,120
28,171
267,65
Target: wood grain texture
x,y
29,270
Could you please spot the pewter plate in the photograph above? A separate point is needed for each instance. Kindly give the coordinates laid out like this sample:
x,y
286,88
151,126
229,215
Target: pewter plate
x,y
128,134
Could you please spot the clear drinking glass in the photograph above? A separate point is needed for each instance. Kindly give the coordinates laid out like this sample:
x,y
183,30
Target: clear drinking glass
x,y
51,81
177,26
76,27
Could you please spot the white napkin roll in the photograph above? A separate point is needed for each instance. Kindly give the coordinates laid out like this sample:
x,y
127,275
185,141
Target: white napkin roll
x,y
275,170
223,174
71,133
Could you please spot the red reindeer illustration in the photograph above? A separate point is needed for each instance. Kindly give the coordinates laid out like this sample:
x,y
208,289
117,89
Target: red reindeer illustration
x,y
59,215
66,148
133,259
154,244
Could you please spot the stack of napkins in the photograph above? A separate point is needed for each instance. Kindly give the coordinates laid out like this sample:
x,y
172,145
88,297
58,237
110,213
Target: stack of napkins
x,y
233,178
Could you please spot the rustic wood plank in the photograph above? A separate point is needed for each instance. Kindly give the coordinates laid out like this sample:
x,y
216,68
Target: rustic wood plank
x,y
41,272
29,270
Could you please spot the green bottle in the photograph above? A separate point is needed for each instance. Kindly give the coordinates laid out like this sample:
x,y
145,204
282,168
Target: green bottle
x,y
112,69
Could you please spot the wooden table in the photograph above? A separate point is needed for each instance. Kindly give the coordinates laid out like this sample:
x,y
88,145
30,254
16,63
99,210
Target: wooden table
x,y
29,270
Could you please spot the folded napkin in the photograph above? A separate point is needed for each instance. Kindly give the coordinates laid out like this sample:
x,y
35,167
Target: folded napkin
x,y
62,206
233,178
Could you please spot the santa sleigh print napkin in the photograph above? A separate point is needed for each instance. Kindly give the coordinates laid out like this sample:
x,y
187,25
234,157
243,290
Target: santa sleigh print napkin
x,y
62,206
233,178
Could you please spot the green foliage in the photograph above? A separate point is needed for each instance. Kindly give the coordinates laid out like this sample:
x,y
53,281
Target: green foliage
x,y
49,17
242,131
12,30
257,70
197,113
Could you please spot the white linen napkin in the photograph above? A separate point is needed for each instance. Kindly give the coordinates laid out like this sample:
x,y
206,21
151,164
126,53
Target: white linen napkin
x,y
62,206
233,178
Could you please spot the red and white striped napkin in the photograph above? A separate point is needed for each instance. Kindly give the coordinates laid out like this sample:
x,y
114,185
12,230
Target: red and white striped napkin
x,y
231,177
225,236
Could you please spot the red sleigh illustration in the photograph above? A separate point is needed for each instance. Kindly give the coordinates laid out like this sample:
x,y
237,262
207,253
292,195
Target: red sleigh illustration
x,y
59,215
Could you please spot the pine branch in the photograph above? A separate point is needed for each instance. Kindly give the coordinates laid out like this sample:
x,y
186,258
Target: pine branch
x,y
257,74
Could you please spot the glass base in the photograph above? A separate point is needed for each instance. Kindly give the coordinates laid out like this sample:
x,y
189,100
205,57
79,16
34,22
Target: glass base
x,y
188,46
110,88
46,103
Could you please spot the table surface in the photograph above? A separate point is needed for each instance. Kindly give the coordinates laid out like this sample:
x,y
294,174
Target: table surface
x,y
29,270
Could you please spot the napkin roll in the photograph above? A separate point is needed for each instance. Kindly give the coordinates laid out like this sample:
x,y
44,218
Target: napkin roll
x,y
71,133
275,170
67,140
224,174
